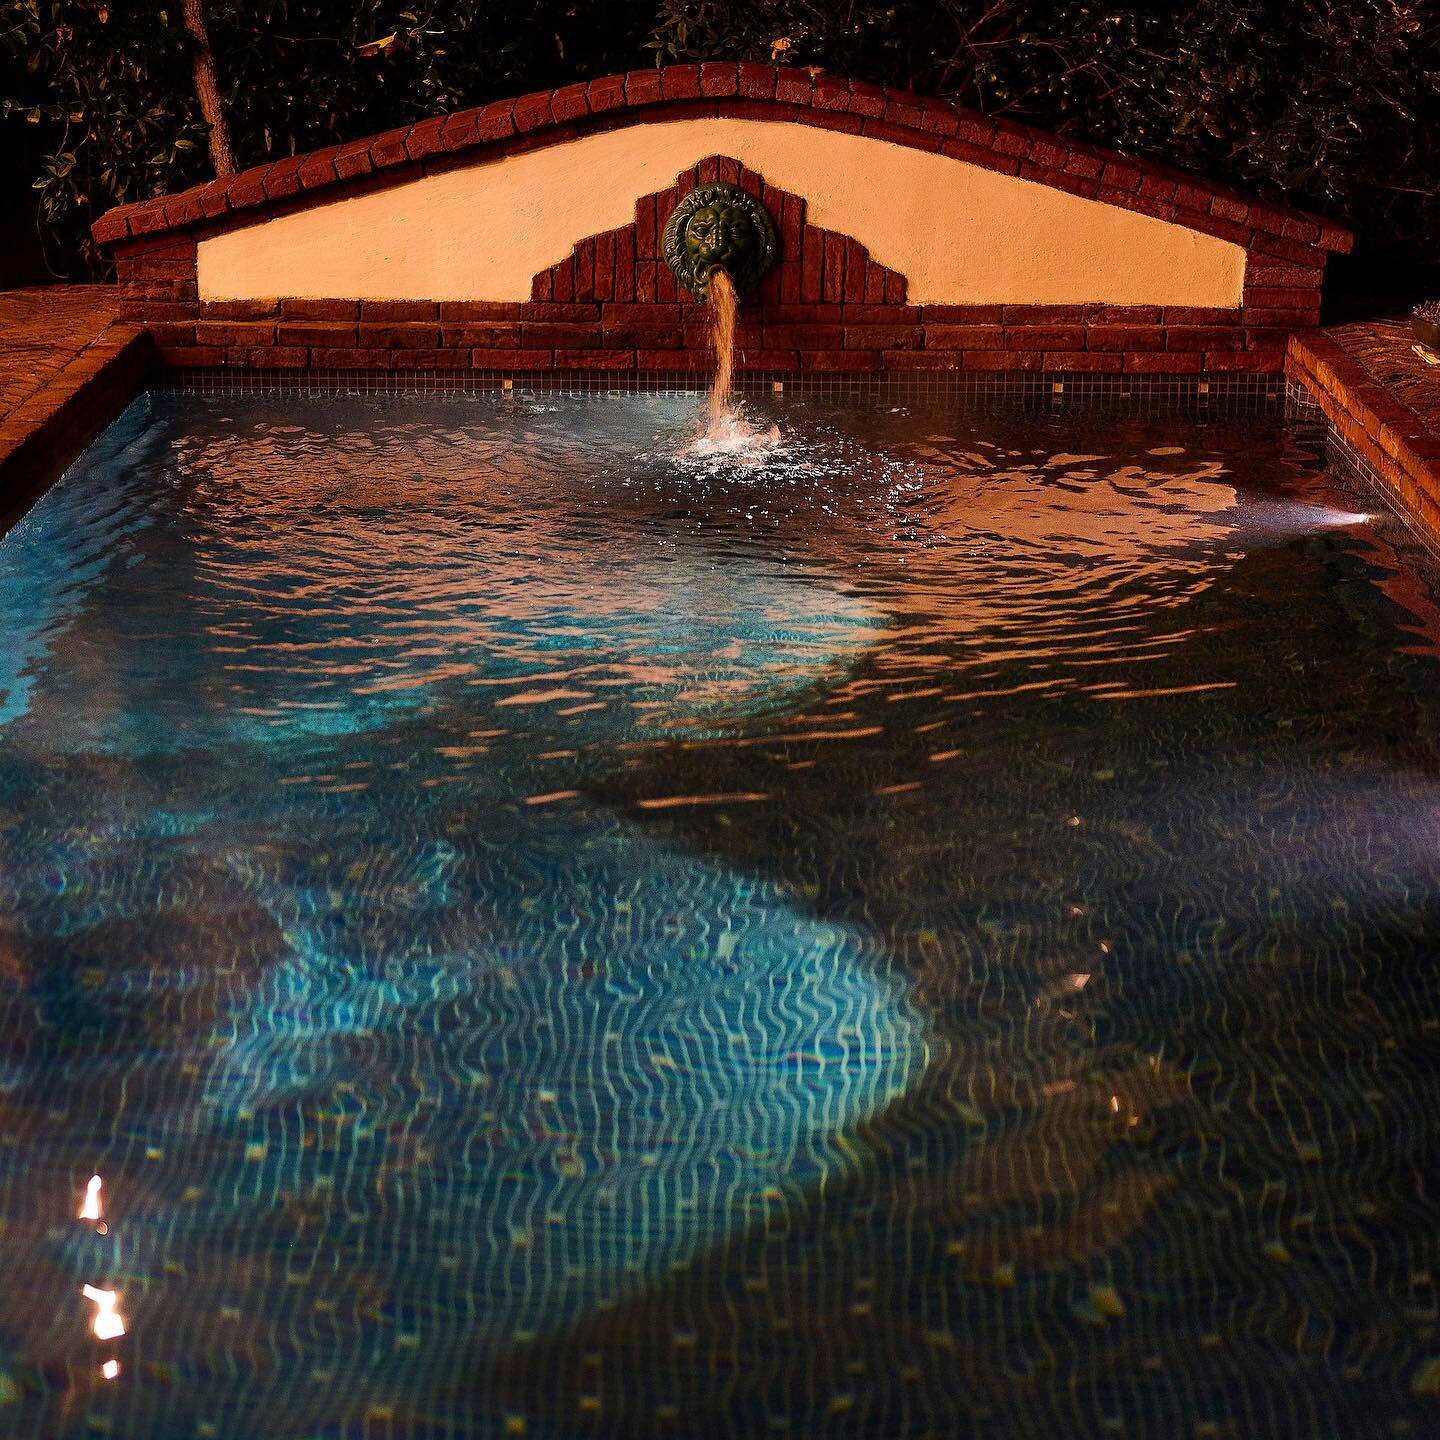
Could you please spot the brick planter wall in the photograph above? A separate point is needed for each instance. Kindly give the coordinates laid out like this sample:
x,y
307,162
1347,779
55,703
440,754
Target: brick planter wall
x,y
614,306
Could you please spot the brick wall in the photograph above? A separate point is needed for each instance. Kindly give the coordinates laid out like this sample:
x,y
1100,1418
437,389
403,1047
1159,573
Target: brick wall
x,y
613,304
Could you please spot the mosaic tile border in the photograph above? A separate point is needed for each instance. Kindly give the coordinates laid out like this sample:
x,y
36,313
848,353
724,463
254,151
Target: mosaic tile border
x,y
1227,397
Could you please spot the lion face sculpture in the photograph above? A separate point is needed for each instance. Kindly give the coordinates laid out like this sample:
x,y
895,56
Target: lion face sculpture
x,y
719,226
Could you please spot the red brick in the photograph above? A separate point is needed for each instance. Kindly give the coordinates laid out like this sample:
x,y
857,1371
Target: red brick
x,y
298,309
532,112
1122,314
719,78
248,188
349,358
1297,319
234,332
465,311
793,86
1091,166
1310,256
804,337
639,314
964,337
641,337
1227,207
331,336
398,310
673,360
882,337
879,314
398,337
442,358
491,359
1259,272
1044,337
1003,359
1120,175
496,121
1276,297
385,151
549,334
1198,315
606,94
237,310
191,357
499,335
680,82
923,360
169,335
425,138
271,357
642,87
1204,337
570,102
597,359
569,312
757,81
839,360
831,92
459,132
173,310
961,314
1157,187
1081,360
1167,363
1063,180
748,357
869,100
1265,339
958,149
1266,362
1124,337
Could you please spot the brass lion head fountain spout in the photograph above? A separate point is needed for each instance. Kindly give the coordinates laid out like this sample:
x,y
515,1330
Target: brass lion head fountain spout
x,y
720,241
719,227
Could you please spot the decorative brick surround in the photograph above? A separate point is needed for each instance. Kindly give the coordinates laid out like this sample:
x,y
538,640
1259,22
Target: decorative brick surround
x,y
613,306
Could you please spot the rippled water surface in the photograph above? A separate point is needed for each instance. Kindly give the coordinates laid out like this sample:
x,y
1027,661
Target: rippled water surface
x,y
928,931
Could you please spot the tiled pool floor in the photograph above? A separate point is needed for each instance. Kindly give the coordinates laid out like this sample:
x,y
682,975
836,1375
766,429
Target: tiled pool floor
x,y
932,934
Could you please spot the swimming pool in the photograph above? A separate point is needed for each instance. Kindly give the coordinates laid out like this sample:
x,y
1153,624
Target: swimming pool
x,y
927,931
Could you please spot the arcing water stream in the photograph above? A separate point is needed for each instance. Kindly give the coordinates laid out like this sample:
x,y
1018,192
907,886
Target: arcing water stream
x,y
723,306
726,431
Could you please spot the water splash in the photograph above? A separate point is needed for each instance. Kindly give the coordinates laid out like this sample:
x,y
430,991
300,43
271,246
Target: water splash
x,y
727,433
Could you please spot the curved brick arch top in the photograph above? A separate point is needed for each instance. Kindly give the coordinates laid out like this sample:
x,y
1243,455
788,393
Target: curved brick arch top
x,y
757,92
988,245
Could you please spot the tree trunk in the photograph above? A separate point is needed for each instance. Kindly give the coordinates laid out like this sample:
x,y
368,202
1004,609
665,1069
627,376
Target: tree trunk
x,y
207,87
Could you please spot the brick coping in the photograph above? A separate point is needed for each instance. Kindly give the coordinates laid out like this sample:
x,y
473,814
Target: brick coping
x,y
722,89
1380,434
72,367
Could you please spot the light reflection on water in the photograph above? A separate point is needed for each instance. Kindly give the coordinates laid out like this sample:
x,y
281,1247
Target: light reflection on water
x,y
926,931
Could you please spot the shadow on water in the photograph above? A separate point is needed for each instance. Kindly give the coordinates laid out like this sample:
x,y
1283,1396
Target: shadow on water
x,y
1177,1098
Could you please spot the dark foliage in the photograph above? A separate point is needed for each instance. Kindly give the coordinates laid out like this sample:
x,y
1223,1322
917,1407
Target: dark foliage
x,y
1333,105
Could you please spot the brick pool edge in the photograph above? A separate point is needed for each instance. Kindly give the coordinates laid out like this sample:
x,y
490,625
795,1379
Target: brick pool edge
x,y
1369,433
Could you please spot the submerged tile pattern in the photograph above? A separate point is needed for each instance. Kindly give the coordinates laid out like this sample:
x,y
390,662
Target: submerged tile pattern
x,y
544,934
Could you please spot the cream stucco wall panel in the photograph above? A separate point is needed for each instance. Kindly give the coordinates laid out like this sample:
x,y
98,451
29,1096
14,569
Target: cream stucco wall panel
x,y
960,234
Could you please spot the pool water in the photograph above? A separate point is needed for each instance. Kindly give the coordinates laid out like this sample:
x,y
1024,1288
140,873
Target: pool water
x,y
931,928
